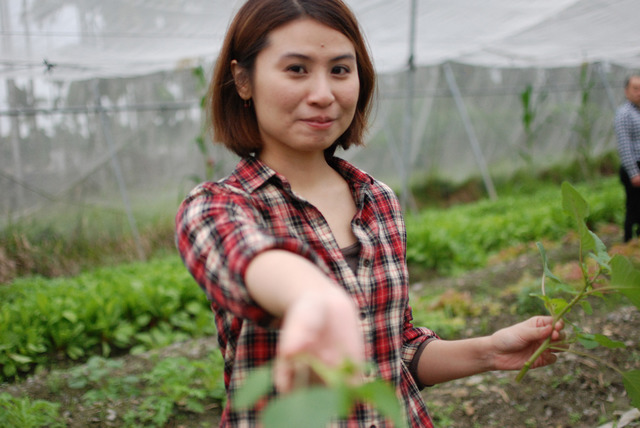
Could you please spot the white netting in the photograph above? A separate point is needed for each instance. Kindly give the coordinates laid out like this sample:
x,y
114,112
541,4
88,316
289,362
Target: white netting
x,y
83,80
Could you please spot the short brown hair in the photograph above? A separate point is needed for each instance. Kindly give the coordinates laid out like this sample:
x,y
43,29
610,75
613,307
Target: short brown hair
x,y
236,126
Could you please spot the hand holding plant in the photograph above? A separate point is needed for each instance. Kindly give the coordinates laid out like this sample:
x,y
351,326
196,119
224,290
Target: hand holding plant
x,y
603,276
515,344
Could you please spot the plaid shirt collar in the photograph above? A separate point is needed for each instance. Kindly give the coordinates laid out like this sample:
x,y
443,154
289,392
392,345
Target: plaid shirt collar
x,y
251,174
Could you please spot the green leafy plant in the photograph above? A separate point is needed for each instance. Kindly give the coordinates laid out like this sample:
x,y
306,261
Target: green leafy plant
x,y
313,406
464,236
603,276
179,383
150,397
132,307
529,116
26,413
587,113
201,138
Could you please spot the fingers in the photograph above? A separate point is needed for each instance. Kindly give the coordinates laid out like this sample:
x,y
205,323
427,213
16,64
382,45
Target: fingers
x,y
292,373
319,327
283,375
543,327
545,359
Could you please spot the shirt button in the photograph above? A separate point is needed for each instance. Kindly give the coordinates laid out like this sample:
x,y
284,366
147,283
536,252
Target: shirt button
x,y
358,222
366,262
363,315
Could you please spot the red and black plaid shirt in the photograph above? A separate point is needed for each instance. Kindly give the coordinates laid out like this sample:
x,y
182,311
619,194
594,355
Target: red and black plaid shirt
x,y
222,226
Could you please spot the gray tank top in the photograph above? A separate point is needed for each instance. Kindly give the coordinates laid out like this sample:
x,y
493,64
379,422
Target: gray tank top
x,y
352,255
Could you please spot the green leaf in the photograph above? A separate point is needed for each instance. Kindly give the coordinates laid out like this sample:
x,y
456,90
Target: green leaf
x,y
257,385
607,342
9,369
310,408
556,305
545,263
601,256
587,340
77,382
591,341
74,352
20,359
383,397
573,203
70,316
194,405
626,279
586,307
631,380
577,208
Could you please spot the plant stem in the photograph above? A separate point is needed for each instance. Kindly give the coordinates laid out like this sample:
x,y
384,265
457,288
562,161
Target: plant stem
x,y
546,344
593,357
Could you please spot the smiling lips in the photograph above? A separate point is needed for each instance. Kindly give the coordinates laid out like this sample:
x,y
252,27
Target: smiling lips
x,y
319,122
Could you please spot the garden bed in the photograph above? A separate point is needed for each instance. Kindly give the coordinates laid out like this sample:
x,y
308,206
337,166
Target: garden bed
x,y
575,392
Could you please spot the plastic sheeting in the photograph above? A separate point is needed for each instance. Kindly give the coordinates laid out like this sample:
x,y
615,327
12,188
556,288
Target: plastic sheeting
x,y
97,96
72,39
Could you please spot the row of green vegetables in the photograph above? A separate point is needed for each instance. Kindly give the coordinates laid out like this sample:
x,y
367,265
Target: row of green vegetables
x,y
139,306
464,236
132,308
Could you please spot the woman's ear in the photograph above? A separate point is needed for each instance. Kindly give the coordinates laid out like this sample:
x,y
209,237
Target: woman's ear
x,y
241,80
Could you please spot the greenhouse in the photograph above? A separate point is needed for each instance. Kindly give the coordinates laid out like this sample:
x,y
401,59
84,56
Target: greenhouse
x,y
100,101
493,122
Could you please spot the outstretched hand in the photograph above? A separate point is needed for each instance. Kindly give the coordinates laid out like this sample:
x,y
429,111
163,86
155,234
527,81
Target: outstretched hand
x,y
514,345
321,326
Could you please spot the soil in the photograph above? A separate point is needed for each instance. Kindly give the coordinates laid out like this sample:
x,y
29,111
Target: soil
x,y
575,392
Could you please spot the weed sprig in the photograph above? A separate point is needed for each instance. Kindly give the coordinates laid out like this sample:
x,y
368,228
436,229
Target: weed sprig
x,y
612,275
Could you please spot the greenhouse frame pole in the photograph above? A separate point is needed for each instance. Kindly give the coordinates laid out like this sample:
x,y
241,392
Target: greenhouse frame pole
x,y
118,172
14,123
407,135
607,87
475,146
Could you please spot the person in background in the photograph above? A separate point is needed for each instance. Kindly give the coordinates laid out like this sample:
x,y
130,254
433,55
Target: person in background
x,y
300,252
627,125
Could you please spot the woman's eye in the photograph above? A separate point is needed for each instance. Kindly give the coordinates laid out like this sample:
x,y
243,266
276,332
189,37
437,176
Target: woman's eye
x,y
298,69
341,69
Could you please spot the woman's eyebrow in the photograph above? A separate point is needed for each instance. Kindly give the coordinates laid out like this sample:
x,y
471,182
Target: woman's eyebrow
x,y
303,57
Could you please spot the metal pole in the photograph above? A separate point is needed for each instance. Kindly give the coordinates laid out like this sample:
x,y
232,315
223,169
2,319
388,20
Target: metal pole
x,y
106,130
407,135
607,87
14,124
475,146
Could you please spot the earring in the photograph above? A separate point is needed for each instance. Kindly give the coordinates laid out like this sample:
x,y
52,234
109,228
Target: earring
x,y
247,103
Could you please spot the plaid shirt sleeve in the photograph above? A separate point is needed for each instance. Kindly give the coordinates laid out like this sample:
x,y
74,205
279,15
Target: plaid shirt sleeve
x,y
627,126
218,233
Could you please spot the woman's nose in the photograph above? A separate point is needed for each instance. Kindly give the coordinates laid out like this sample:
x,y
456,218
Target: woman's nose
x,y
321,91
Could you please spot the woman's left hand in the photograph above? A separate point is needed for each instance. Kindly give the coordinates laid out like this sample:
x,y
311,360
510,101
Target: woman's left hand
x,y
514,345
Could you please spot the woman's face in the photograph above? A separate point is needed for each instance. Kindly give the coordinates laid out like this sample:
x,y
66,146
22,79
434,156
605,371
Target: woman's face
x,y
304,88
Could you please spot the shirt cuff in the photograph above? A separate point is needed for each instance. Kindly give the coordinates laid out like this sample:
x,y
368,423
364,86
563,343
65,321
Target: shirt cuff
x,y
413,367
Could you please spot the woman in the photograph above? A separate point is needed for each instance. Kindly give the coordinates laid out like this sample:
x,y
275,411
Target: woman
x,y
300,252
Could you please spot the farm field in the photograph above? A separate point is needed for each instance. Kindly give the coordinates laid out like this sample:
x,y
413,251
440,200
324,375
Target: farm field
x,y
153,361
